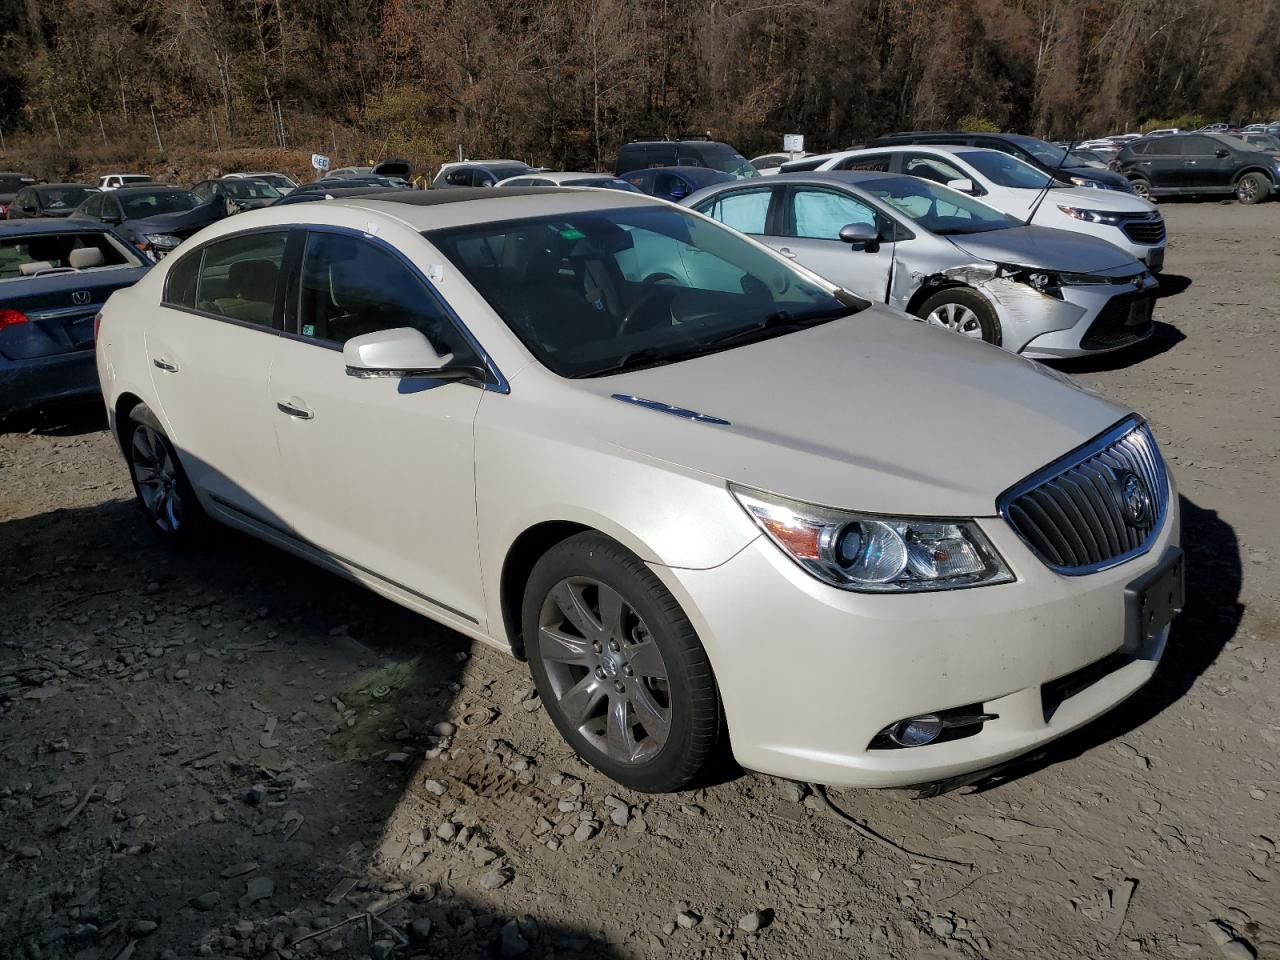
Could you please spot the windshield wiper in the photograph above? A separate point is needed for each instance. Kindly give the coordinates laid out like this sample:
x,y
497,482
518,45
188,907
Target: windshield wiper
x,y
783,319
644,357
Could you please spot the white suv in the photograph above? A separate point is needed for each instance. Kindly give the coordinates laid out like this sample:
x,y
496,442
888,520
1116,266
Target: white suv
x,y
708,496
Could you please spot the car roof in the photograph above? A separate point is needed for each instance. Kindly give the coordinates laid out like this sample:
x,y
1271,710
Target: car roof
x,y
61,186
18,228
152,185
430,209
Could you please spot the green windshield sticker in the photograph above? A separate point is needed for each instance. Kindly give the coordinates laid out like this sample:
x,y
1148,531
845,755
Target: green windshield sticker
x,y
572,234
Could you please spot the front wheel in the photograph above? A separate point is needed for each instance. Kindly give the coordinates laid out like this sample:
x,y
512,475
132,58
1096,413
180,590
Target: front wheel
x,y
618,666
964,311
1142,187
1252,188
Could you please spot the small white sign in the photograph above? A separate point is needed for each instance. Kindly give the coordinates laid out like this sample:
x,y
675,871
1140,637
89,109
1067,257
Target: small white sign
x,y
793,142
320,162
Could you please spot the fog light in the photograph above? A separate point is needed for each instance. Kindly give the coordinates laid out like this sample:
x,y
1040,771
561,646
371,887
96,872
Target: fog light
x,y
917,731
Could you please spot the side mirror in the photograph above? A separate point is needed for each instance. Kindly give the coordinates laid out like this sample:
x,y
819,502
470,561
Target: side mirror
x,y
400,352
29,208
964,186
862,236
1222,153
678,193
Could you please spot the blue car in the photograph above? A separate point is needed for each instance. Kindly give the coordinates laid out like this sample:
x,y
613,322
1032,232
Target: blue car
x,y
54,277
674,183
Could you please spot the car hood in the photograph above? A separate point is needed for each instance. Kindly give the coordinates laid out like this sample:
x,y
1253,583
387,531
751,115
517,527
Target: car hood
x,y
1089,199
1045,249
184,223
873,412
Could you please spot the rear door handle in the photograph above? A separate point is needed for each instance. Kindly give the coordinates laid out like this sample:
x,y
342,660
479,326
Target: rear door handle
x,y
295,408
787,252
161,363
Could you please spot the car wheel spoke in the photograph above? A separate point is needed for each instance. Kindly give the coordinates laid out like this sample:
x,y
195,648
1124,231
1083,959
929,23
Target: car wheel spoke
x,y
559,647
646,660
574,608
611,610
655,719
579,702
619,739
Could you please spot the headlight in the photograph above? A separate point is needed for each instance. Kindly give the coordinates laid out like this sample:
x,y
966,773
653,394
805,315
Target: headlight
x,y
875,554
163,241
1091,216
1089,184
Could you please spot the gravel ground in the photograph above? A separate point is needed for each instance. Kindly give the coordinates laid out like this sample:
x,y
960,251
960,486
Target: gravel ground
x,y
232,753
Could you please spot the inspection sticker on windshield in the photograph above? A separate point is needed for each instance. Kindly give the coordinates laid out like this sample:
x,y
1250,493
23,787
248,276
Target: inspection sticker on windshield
x,y
571,233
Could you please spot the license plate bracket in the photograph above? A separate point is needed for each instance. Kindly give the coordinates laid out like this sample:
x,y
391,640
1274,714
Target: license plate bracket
x,y
1152,601
1139,313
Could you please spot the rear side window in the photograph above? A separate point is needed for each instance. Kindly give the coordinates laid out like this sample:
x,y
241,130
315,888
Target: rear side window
x,y
745,210
930,167
878,162
180,284
1139,146
238,278
1164,147
351,287
459,178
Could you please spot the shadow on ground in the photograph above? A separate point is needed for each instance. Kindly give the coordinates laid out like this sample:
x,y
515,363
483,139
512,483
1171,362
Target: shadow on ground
x,y
58,420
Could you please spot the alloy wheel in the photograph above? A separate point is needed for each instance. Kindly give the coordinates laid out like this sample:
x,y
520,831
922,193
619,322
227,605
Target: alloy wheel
x,y
157,477
1141,189
957,318
605,669
1247,190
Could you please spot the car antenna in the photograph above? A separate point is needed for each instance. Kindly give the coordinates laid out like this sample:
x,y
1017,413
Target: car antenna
x,y
1044,191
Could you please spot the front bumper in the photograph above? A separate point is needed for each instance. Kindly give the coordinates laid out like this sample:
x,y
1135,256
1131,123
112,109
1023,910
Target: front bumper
x,y
25,384
1093,318
809,674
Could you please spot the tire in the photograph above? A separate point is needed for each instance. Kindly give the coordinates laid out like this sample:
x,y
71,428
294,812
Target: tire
x,y
1142,187
637,699
1253,188
165,497
964,311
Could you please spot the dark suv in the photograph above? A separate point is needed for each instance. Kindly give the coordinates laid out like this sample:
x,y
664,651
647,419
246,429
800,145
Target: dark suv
x,y
1033,150
688,152
1187,164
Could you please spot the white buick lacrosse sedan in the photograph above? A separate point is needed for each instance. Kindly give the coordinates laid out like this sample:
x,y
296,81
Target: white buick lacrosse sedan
x,y
712,500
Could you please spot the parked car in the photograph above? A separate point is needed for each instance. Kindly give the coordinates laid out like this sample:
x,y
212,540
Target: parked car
x,y
368,180
675,183
278,180
153,217
1162,131
1032,150
1014,187
948,259
55,276
112,181
238,193
478,173
48,200
770,163
686,152
11,183
1216,128
906,558
1199,164
310,193
1260,141
553,178
343,173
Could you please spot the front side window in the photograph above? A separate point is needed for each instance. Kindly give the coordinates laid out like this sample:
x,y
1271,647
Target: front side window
x,y
1200,146
239,277
458,178
938,209
820,214
63,198
351,286
596,292
139,204
744,210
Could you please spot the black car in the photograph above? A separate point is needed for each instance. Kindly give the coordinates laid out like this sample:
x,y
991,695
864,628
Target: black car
x,y
478,173
10,184
48,200
1033,150
1191,164
238,193
364,180
311,193
153,217
675,183
688,151
54,277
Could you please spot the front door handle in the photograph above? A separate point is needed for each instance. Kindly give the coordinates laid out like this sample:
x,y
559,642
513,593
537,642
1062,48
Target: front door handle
x,y
295,408
787,252
160,363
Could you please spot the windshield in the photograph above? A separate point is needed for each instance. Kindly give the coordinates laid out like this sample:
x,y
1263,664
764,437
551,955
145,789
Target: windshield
x,y
1005,170
250,190
601,291
1044,152
64,198
606,183
938,209
135,178
150,203
720,157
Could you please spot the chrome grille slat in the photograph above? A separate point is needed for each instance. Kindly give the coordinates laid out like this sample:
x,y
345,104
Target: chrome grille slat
x,y
1072,514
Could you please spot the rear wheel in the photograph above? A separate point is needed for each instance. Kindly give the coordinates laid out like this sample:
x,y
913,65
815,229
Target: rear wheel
x,y
1142,187
964,311
168,503
618,666
1252,188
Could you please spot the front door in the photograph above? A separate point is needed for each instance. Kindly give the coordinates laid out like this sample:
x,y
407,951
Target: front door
x,y
812,220
1204,171
210,354
380,470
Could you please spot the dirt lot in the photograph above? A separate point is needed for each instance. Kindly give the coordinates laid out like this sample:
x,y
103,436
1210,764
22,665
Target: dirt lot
x,y
228,754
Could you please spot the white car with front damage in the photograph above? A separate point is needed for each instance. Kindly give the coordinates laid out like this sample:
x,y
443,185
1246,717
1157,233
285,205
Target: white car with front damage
x,y
714,501
947,258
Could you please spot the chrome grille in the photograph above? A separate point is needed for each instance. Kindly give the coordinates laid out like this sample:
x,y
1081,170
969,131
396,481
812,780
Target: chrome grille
x,y
1078,515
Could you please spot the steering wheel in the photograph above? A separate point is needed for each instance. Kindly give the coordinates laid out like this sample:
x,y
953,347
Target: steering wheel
x,y
632,322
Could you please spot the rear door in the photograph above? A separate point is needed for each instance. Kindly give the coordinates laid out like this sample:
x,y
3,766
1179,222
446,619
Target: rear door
x,y
211,351
1161,164
812,219
1204,171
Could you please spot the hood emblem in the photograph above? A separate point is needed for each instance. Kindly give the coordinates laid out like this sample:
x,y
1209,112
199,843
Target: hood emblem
x,y
668,408
1135,499
80,297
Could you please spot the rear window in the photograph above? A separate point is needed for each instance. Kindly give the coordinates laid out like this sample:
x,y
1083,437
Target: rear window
x,y
34,251
250,190
63,198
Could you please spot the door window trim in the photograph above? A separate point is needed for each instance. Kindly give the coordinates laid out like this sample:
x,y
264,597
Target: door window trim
x,y
276,316
495,381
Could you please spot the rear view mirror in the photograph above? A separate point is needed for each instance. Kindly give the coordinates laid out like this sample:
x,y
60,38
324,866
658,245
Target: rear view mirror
x,y
400,352
862,236
964,186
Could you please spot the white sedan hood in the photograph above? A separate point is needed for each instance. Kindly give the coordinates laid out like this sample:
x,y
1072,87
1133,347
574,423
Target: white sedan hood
x,y
872,412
